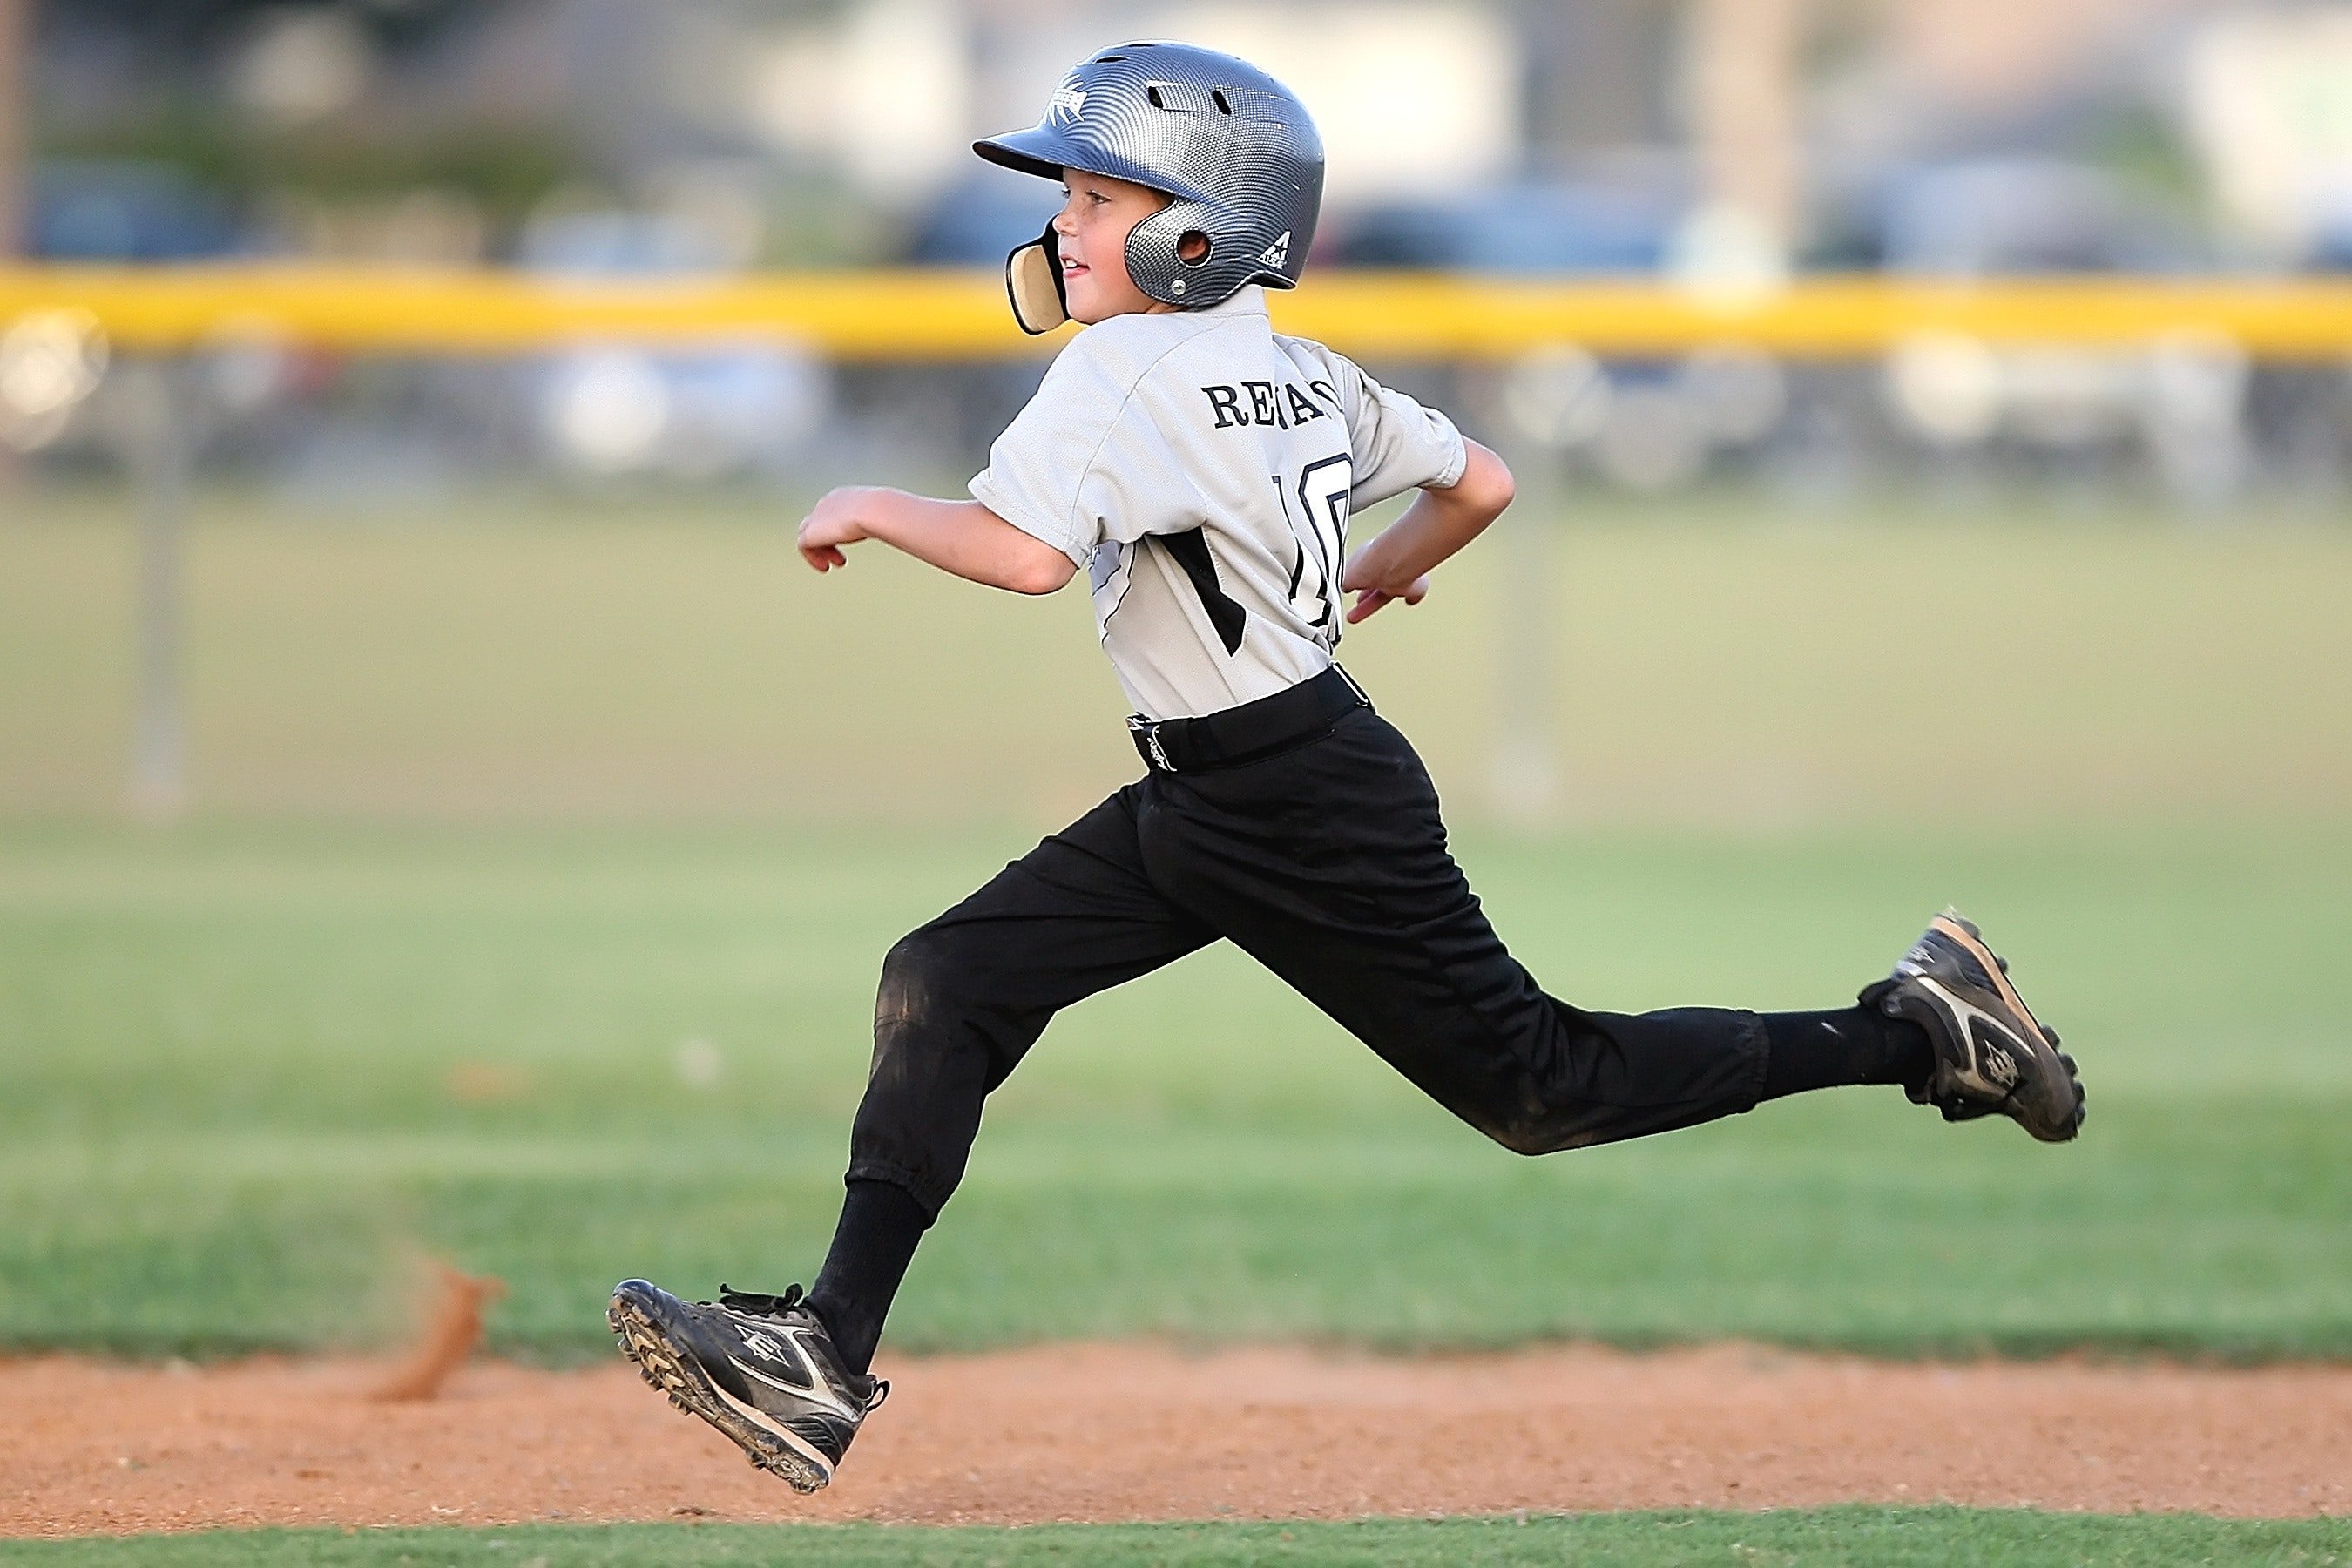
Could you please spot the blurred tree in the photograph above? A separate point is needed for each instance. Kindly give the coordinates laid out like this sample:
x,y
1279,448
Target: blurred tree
x,y
207,90
196,24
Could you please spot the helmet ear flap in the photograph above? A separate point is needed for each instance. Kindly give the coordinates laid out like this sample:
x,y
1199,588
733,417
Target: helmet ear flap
x,y
1033,280
1155,253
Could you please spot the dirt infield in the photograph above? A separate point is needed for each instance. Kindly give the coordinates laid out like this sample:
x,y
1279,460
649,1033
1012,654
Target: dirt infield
x,y
1145,1432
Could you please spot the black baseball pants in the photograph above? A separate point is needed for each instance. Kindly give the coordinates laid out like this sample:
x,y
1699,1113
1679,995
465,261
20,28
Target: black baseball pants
x,y
1327,864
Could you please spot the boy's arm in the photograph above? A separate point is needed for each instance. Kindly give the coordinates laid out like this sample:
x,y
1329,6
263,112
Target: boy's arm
x,y
958,536
1396,565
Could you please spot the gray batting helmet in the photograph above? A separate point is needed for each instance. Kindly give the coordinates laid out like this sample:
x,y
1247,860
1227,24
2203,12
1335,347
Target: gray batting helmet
x,y
1235,148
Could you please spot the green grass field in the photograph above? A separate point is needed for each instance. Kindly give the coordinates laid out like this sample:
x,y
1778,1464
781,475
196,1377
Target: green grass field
x,y
541,867
252,1067
1897,1537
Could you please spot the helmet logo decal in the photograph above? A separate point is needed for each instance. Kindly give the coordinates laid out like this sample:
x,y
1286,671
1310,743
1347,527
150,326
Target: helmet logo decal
x,y
1278,253
1066,101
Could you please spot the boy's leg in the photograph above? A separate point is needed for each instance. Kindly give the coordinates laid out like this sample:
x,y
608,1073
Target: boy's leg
x,y
785,1377
1328,865
961,1000
873,1242
1848,1046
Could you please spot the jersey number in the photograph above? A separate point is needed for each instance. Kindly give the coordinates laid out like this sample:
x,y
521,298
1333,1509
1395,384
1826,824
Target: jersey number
x,y
1317,509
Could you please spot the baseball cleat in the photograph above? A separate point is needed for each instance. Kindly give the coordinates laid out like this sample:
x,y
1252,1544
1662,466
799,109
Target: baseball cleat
x,y
1991,1056
761,1369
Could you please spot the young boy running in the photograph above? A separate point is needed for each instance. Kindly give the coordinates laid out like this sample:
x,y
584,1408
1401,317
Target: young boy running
x,y
1201,469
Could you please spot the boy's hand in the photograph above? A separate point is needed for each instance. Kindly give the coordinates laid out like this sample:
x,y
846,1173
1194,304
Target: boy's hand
x,y
832,523
1371,599
1438,523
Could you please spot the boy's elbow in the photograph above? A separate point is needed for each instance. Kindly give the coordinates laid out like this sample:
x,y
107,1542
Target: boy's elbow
x,y
1486,484
1501,488
1041,570
1502,492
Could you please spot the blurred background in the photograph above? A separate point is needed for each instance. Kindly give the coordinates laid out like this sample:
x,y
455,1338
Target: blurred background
x,y
1643,138
1690,145
436,803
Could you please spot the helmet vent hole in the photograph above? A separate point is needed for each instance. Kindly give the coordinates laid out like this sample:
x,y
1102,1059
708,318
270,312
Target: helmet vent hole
x,y
1108,59
1217,97
1152,93
1193,248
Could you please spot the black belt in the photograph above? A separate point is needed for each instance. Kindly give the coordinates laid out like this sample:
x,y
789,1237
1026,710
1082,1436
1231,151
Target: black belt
x,y
1289,718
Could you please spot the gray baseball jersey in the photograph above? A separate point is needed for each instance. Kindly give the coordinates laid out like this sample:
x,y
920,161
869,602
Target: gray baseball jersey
x,y
1200,469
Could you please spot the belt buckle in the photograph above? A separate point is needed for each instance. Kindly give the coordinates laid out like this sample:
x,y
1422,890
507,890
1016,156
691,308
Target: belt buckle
x,y
1149,730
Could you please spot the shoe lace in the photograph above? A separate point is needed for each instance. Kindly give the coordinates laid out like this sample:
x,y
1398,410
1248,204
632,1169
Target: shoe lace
x,y
761,1304
758,1303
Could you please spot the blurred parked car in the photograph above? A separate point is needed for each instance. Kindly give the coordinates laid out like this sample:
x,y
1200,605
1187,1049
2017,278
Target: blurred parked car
x,y
1986,217
1583,227
2179,401
104,210
605,409
978,222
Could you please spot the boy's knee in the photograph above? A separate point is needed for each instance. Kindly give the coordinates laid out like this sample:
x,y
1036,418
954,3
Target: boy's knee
x,y
917,974
1520,1137
1532,1133
939,1009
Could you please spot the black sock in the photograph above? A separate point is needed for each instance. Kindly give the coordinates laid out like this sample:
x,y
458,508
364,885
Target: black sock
x,y
1853,1045
880,1225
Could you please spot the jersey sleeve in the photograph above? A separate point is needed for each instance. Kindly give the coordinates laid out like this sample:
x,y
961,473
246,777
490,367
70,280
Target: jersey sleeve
x,y
1398,444
1084,463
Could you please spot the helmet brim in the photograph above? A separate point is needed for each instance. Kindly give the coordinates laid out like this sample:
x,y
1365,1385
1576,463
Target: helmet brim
x,y
1045,152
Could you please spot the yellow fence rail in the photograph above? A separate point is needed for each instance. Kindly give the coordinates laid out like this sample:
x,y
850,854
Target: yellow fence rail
x,y
932,315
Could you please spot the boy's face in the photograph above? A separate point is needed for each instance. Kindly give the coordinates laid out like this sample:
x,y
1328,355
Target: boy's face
x,y
1096,215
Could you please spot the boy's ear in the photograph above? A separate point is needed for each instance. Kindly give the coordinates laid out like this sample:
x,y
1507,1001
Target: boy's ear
x,y
1033,278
